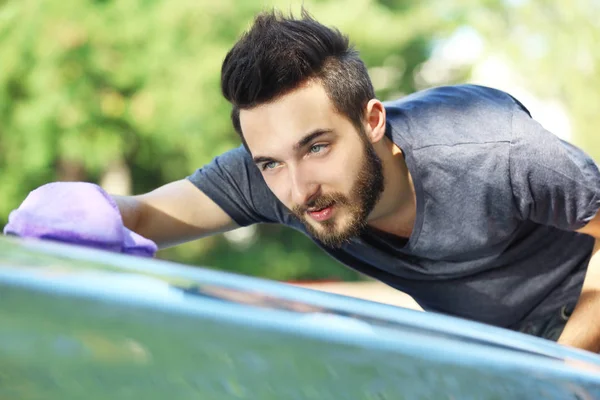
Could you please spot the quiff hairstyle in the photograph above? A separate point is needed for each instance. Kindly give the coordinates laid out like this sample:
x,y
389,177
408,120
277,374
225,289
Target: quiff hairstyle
x,y
280,53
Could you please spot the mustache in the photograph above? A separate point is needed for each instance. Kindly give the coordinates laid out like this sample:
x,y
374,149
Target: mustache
x,y
320,202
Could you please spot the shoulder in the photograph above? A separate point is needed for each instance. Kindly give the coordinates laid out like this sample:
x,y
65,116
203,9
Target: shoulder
x,y
554,182
456,140
451,115
465,98
234,158
234,167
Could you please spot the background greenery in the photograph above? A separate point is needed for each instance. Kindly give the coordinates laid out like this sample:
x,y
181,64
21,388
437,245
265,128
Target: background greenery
x,y
93,88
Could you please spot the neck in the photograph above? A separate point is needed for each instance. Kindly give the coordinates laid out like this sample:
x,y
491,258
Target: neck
x,y
395,212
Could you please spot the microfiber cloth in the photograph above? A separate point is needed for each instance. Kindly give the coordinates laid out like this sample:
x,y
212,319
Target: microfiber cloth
x,y
79,213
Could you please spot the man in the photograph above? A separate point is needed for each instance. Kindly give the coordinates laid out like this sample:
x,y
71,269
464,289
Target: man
x,y
454,195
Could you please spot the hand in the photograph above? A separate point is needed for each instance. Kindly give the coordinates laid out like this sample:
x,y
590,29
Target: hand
x,y
78,213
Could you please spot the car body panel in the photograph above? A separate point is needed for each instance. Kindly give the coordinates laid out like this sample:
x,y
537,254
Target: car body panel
x,y
80,323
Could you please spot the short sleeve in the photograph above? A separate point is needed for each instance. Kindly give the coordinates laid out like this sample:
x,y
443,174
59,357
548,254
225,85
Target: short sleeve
x,y
554,183
234,183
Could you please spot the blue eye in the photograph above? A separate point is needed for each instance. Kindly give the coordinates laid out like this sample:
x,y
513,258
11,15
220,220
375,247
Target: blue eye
x,y
269,165
317,148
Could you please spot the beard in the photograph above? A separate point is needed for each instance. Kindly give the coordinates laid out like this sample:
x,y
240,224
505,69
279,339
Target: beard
x,y
356,207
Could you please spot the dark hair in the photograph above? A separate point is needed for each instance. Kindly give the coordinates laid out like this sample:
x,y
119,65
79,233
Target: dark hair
x,y
280,53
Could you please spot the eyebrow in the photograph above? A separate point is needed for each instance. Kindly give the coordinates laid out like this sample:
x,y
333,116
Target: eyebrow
x,y
301,143
310,137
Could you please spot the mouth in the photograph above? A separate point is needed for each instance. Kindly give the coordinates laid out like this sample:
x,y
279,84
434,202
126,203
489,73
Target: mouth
x,y
321,214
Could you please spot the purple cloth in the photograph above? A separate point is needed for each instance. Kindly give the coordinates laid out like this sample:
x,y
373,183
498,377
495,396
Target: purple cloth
x,y
78,213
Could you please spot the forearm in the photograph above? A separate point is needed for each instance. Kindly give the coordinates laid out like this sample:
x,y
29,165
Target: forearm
x,y
145,220
172,214
131,210
583,328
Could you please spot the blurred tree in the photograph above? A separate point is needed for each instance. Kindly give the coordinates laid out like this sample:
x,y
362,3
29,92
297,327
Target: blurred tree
x,y
90,87
554,46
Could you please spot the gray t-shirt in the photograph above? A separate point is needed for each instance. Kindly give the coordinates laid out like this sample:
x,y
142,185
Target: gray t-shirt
x,y
498,198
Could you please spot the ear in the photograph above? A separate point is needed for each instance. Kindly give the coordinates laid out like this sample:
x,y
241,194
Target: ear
x,y
375,118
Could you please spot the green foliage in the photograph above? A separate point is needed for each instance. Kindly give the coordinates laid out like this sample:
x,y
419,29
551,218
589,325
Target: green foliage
x,y
555,46
85,84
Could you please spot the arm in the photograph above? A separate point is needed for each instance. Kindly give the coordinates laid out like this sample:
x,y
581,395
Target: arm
x,y
174,213
227,193
583,328
557,184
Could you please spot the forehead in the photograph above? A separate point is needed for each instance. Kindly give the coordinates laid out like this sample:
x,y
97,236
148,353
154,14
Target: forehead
x,y
283,121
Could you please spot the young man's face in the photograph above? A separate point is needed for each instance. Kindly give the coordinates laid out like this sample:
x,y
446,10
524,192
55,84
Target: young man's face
x,y
315,161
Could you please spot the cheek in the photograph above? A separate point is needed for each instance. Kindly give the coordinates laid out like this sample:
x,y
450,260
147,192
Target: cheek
x,y
344,170
279,186
330,172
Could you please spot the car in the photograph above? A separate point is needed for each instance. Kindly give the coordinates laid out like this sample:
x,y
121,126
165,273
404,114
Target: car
x,y
80,323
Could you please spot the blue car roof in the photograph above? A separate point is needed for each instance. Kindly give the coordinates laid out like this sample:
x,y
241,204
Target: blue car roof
x,y
76,321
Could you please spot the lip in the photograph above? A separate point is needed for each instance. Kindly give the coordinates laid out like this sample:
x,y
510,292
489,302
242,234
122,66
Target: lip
x,y
322,215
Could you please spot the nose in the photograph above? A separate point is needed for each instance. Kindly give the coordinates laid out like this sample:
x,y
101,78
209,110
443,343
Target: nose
x,y
303,188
